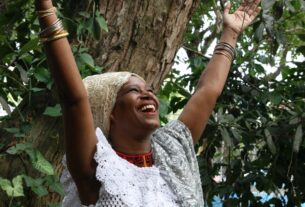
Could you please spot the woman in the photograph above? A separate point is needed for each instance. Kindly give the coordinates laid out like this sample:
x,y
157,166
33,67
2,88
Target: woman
x,y
132,162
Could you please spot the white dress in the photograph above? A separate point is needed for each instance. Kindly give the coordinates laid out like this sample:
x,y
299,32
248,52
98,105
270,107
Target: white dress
x,y
163,185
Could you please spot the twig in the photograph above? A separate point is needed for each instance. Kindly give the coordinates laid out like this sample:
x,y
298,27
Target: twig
x,y
194,51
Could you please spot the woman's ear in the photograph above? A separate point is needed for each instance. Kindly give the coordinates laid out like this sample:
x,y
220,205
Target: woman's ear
x,y
112,117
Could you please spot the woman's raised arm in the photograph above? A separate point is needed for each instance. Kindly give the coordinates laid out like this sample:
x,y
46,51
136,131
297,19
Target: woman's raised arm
x,y
78,122
197,111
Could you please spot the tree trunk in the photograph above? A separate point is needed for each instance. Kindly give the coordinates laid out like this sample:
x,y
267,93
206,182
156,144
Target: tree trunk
x,y
143,37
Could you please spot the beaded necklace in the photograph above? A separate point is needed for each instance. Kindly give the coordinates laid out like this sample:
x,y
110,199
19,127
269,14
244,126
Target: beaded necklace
x,y
140,160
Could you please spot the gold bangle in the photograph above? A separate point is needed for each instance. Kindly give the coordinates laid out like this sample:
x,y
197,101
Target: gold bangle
x,y
54,37
45,15
47,12
50,10
57,25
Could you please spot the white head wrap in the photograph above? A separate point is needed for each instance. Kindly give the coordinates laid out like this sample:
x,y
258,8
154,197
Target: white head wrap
x,y
102,91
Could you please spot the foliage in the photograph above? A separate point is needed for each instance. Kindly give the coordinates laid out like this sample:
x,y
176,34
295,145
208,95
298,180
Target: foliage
x,y
254,138
23,73
254,142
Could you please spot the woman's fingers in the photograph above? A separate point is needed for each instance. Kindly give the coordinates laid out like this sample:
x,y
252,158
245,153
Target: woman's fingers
x,y
250,5
253,7
227,7
250,8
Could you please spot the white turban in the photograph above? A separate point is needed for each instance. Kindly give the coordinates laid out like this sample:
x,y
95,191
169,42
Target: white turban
x,y
102,91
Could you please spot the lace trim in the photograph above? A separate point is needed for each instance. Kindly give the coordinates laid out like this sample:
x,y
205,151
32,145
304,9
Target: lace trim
x,y
123,184
119,177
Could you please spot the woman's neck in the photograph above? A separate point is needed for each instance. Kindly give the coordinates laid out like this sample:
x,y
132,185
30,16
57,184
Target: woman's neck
x,y
135,148
131,146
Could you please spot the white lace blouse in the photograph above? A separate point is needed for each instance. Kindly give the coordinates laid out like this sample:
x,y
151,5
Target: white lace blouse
x,y
173,181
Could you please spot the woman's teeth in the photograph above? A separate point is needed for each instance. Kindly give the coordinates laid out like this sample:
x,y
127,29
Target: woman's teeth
x,y
148,107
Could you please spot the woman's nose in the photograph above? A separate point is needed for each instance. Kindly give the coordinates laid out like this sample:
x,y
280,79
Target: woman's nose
x,y
145,95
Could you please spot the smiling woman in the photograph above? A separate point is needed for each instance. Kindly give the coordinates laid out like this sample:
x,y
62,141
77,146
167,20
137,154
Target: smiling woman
x,y
116,154
137,163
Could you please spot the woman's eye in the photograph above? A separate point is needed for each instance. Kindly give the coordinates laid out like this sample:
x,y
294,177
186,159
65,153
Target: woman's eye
x,y
134,90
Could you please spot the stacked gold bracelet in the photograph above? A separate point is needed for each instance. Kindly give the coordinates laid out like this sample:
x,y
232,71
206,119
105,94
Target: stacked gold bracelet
x,y
223,48
53,32
47,12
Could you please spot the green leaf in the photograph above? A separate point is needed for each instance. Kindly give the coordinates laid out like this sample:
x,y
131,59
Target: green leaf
x,y
267,4
259,32
30,45
41,164
12,130
294,120
6,185
163,109
55,184
275,98
19,148
42,74
270,142
36,185
96,30
298,138
23,73
226,137
236,134
54,111
86,58
35,89
97,69
102,22
5,105
89,25
18,188
14,188
84,14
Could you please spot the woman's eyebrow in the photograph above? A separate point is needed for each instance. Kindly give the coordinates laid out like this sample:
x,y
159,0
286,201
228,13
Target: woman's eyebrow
x,y
125,88
131,86
128,86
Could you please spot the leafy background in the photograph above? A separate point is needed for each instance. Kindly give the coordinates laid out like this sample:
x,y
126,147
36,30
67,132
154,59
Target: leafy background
x,y
252,152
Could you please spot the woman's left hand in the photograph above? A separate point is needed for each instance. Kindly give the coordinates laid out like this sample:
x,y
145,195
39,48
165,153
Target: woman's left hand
x,y
242,17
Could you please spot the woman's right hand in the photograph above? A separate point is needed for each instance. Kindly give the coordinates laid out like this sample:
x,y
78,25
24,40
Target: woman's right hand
x,y
242,17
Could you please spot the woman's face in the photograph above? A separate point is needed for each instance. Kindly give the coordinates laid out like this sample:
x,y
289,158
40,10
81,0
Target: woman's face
x,y
136,106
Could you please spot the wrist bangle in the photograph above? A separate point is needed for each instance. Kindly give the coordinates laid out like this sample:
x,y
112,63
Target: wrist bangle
x,y
57,25
225,49
54,37
47,12
53,32
227,55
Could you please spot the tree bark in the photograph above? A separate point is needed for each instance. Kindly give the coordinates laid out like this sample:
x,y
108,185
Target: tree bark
x,y
143,37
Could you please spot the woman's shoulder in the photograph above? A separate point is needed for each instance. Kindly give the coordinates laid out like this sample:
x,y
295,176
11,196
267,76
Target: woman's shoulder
x,y
174,129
